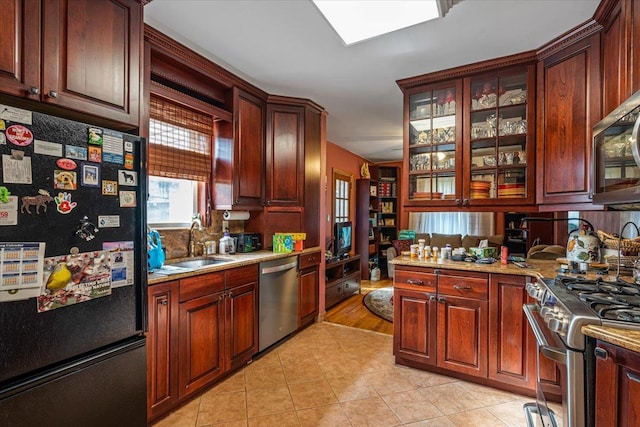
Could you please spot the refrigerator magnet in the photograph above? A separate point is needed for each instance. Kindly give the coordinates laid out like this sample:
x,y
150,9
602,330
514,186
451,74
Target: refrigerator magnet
x,y
64,205
9,211
128,146
66,164
128,161
95,136
65,180
3,139
127,199
109,188
16,168
129,178
48,148
39,201
19,135
95,154
90,175
2,125
78,153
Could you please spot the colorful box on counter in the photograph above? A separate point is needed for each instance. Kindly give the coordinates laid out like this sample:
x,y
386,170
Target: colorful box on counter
x,y
288,242
484,252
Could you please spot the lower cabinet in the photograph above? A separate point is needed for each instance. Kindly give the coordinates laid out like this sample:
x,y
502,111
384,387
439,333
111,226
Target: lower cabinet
x,y
617,397
200,328
308,287
162,338
467,323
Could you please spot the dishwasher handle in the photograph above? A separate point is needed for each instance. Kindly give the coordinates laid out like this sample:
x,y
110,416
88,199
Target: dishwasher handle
x,y
275,269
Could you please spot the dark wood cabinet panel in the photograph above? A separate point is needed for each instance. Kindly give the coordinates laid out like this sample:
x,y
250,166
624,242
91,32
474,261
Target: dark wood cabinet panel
x,y
617,397
308,283
462,335
285,155
414,326
248,150
80,55
201,342
510,358
568,90
162,338
242,323
20,53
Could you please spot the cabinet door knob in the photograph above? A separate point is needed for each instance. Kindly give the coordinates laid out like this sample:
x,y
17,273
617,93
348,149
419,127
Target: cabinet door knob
x,y
164,301
432,298
441,299
53,94
458,202
465,202
34,90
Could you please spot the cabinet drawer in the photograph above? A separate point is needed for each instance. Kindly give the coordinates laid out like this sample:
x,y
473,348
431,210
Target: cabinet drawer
x,y
461,286
198,286
351,285
309,260
422,281
242,275
333,294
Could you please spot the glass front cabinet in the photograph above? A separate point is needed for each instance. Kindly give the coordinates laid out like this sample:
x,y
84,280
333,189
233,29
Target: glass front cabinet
x,y
470,141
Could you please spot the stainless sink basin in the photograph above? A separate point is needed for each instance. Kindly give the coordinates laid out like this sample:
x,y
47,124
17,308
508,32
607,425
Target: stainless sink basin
x,y
199,263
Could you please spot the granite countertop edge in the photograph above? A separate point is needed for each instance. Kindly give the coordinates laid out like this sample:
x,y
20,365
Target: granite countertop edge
x,y
240,259
625,338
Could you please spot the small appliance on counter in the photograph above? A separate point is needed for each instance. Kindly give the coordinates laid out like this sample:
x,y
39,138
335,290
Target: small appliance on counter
x,y
247,242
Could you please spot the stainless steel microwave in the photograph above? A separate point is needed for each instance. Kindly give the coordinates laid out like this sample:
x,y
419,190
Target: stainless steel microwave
x,y
616,154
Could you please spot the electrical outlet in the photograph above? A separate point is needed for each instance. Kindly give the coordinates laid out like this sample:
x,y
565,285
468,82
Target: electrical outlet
x,y
225,226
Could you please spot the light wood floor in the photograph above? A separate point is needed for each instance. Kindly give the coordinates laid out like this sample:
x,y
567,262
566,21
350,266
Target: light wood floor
x,y
352,312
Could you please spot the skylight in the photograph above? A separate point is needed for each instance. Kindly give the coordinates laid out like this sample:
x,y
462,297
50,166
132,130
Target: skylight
x,y
357,20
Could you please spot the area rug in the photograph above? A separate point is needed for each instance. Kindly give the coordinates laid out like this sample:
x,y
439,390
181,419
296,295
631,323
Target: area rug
x,y
380,303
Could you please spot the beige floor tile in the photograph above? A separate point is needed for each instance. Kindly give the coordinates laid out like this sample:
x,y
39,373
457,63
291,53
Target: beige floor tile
x,y
312,393
287,419
351,387
240,423
323,416
423,378
224,407
436,422
510,413
388,381
183,417
372,411
487,396
265,378
268,401
339,367
231,384
450,399
476,418
411,406
302,370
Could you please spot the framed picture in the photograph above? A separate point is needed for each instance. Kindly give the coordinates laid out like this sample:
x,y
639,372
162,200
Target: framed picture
x,y
90,175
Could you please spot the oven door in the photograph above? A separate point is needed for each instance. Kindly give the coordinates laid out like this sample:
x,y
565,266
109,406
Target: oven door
x,y
571,366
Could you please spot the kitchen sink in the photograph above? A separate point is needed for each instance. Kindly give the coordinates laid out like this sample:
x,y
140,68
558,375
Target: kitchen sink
x,y
199,263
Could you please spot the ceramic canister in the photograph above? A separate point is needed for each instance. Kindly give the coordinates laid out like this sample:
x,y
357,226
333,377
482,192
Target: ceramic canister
x,y
583,246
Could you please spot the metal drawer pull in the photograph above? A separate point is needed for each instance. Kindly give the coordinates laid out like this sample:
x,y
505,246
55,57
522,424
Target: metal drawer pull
x,y
415,282
441,299
633,377
432,298
601,353
462,287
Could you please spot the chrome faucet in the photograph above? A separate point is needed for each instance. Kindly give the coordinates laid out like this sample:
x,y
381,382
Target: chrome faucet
x,y
192,244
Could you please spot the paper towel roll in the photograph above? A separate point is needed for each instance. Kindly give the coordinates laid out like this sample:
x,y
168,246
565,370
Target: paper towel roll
x,y
235,215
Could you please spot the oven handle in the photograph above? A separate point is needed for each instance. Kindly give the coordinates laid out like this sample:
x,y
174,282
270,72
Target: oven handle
x,y
558,355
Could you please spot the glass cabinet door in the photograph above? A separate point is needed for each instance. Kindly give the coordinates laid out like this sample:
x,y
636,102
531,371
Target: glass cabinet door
x,y
498,139
433,155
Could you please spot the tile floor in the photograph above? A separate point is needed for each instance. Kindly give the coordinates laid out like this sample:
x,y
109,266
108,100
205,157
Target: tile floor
x,y
333,375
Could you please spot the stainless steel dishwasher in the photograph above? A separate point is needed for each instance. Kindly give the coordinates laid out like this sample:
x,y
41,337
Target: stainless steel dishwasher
x,y
278,300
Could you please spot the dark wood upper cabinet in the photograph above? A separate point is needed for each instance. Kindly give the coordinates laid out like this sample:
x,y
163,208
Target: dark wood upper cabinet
x,y
82,55
285,155
568,108
620,51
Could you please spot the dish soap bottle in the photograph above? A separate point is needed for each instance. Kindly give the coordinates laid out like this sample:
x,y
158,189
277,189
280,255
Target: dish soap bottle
x,y
226,244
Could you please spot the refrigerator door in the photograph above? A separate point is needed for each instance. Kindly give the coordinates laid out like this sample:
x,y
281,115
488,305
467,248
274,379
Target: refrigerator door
x,y
109,189
105,389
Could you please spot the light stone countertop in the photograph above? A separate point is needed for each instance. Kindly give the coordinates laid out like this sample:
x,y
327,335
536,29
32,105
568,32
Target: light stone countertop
x,y
239,260
624,338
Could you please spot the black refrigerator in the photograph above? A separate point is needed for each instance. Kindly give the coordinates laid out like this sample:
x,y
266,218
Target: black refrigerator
x,y
72,273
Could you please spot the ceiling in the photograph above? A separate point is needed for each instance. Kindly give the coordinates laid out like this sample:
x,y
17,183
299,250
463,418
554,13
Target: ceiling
x,y
286,47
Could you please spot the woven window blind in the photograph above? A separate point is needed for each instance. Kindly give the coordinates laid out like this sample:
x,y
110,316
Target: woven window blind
x,y
179,141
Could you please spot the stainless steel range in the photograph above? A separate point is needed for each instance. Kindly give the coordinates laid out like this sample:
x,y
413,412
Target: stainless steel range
x,y
562,307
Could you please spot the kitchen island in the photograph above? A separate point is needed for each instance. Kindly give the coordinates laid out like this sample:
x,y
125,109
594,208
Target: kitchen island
x,y
465,320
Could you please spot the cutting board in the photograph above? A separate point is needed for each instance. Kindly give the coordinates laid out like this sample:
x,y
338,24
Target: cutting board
x,y
591,265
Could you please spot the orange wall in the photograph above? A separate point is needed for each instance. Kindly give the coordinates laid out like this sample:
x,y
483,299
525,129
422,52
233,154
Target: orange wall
x,y
340,159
